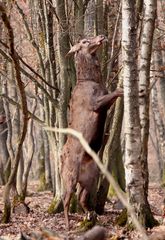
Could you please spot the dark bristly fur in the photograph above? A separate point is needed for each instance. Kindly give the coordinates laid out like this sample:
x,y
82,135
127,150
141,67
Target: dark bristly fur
x,y
88,107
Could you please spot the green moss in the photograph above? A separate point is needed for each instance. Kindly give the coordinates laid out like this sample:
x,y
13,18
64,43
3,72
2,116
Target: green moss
x,y
7,213
43,186
18,199
111,191
130,227
74,204
56,206
88,222
121,220
42,183
86,225
145,218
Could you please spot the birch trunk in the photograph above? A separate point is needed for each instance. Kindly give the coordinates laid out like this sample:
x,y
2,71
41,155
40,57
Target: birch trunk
x,y
133,146
89,19
79,19
144,80
160,130
144,83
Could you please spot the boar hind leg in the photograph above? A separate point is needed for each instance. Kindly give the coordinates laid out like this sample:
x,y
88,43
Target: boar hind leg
x,y
89,210
66,203
83,199
66,200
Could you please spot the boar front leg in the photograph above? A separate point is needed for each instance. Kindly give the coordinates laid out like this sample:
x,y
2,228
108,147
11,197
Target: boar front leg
x,y
107,100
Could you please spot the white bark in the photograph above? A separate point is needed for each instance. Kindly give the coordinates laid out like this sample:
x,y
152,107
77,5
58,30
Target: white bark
x,y
144,76
89,20
133,170
135,166
159,129
145,58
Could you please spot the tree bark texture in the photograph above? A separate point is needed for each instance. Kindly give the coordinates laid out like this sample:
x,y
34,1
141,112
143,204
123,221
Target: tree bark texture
x,y
144,79
111,155
20,85
132,130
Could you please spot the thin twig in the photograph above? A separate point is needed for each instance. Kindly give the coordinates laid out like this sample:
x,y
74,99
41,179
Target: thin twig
x,y
30,36
31,69
31,115
8,58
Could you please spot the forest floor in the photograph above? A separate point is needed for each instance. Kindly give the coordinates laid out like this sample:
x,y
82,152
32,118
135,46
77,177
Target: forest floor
x,y
38,218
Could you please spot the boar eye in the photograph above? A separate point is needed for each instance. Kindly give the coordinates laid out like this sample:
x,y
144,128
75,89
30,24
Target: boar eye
x,y
85,41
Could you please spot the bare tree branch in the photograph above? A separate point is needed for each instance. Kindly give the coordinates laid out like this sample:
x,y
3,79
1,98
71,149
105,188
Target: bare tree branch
x,y
31,69
31,39
16,104
24,108
7,57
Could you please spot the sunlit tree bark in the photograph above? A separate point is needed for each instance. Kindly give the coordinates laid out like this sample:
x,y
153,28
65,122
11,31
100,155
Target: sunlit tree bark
x,y
144,84
160,131
89,18
132,130
144,80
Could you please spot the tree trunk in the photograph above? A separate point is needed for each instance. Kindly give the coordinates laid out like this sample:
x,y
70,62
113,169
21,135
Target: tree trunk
x,y
135,181
144,83
111,156
89,19
144,80
160,130
30,154
20,85
4,155
67,76
79,19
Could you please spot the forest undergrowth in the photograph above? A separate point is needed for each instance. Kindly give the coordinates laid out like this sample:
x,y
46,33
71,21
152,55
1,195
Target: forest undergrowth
x,y
38,218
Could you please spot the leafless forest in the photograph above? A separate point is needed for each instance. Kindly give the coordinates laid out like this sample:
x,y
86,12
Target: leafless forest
x,y
47,48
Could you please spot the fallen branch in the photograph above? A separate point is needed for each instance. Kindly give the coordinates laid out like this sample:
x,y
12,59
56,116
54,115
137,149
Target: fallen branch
x,y
109,177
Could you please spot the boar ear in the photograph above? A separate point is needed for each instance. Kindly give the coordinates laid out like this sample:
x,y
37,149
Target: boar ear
x,y
73,49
